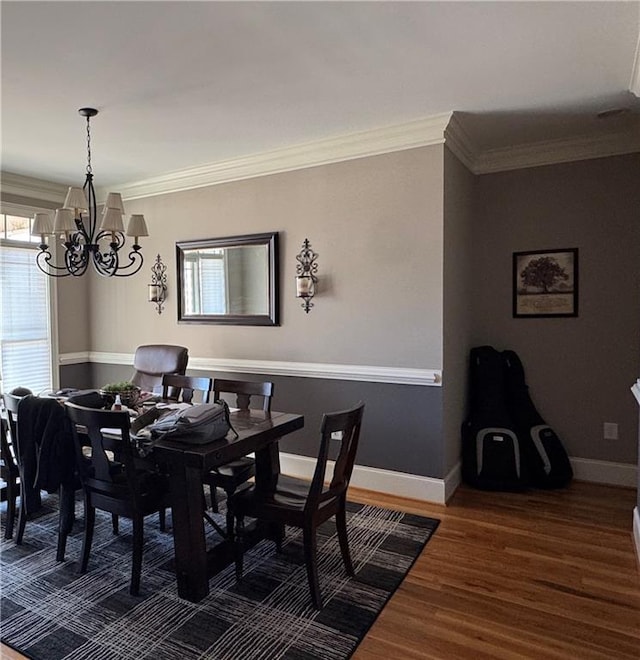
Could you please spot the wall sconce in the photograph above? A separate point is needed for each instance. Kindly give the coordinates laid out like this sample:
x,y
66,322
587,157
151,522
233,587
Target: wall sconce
x,y
158,286
306,279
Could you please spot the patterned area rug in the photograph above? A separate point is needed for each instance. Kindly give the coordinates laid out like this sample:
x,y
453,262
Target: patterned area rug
x,y
49,611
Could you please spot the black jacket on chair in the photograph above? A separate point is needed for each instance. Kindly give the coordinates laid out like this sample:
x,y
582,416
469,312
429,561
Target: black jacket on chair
x,y
45,448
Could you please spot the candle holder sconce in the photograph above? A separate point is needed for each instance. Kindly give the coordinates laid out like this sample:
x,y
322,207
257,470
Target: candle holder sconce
x,y
158,286
306,279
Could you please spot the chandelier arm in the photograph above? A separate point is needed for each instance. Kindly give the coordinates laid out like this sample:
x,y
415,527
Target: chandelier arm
x,y
43,261
76,258
90,194
135,262
116,239
106,263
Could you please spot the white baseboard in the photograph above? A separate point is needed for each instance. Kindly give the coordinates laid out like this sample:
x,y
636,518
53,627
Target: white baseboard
x,y
452,481
636,531
439,491
605,472
390,482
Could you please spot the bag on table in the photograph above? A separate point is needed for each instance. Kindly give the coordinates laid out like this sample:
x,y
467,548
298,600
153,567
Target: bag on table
x,y
197,424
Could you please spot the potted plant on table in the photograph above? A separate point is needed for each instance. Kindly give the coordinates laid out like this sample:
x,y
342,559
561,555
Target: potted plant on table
x,y
129,393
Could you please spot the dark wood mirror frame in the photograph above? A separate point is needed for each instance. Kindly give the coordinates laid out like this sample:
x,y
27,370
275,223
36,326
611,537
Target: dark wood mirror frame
x,y
271,313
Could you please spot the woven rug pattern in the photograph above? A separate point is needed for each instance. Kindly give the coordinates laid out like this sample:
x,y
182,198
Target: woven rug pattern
x,y
50,612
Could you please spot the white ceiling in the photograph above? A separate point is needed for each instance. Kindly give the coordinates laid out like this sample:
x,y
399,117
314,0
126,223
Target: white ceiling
x,y
185,84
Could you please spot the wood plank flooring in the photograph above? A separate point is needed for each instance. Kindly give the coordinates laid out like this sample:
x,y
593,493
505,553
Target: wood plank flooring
x,y
544,575
548,575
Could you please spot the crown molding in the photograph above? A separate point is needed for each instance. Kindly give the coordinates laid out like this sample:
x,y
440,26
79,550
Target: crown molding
x,y
458,140
437,129
26,186
418,133
556,151
537,154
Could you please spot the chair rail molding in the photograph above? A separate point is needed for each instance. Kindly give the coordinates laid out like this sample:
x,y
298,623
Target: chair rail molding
x,y
76,358
374,374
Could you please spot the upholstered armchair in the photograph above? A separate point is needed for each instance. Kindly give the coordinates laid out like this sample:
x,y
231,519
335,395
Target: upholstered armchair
x,y
152,361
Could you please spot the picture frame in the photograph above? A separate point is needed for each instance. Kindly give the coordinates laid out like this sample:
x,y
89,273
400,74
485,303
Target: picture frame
x,y
545,283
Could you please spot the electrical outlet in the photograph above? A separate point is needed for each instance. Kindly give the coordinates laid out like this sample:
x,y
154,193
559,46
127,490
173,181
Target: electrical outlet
x,y
610,431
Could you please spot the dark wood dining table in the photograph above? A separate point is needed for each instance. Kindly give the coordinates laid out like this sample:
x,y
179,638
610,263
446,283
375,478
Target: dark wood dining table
x,y
258,432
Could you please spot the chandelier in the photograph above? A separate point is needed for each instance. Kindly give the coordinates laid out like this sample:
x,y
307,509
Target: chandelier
x,y
81,239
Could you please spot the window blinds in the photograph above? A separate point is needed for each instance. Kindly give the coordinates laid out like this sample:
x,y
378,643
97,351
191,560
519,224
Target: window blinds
x,y
24,322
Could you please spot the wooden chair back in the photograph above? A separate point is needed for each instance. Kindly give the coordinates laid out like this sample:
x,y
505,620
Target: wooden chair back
x,y
10,475
8,465
11,403
109,474
342,428
182,388
244,390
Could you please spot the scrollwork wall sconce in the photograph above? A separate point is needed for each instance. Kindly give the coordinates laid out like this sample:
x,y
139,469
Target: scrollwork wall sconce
x,y
158,286
306,279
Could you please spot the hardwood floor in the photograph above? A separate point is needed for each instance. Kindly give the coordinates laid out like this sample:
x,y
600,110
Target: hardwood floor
x,y
545,575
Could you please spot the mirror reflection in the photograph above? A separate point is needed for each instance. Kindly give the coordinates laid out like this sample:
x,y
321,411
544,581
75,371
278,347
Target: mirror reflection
x,y
228,280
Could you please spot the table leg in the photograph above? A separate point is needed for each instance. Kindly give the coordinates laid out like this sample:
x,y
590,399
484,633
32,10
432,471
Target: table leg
x,y
188,532
267,466
66,516
267,471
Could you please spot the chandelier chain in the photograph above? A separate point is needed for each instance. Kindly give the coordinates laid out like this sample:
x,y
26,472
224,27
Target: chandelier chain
x,y
89,170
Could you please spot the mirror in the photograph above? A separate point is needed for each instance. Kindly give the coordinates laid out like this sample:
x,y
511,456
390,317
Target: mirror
x,y
229,280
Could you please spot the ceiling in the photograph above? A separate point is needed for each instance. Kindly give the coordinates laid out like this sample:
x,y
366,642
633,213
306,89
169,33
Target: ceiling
x,y
187,84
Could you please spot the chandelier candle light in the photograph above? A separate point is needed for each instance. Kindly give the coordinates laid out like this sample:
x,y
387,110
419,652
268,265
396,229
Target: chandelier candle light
x,y
81,239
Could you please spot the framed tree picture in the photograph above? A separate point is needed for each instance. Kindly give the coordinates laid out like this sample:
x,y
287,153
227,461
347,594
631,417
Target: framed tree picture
x,y
545,283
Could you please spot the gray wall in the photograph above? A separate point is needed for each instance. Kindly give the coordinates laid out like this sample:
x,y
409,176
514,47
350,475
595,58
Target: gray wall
x,y
377,225
401,429
459,199
579,370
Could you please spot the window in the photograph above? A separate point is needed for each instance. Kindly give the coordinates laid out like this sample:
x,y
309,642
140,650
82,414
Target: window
x,y
26,347
205,282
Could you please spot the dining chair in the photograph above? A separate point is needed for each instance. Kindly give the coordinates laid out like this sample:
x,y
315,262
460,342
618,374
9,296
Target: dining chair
x,y
10,475
11,403
152,361
182,388
118,486
298,503
42,445
231,476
